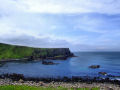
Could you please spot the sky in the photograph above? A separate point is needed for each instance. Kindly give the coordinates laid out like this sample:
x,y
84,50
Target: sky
x,y
81,25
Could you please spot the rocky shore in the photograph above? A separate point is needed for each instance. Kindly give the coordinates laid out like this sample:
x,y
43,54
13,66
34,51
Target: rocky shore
x,y
74,82
102,86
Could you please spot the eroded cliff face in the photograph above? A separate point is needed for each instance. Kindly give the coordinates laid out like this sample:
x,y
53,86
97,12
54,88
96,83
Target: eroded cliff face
x,y
9,52
52,53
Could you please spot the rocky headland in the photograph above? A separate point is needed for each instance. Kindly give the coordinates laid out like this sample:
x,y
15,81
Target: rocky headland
x,y
16,53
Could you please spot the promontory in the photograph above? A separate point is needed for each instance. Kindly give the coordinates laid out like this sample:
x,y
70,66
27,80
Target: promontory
x,y
14,52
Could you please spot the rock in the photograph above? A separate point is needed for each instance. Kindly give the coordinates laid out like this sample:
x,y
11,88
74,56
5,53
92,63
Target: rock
x,y
21,81
103,73
47,63
41,83
58,57
94,66
110,88
13,76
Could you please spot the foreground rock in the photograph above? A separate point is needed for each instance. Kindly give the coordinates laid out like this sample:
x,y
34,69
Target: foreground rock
x,y
74,82
102,86
14,76
84,79
94,66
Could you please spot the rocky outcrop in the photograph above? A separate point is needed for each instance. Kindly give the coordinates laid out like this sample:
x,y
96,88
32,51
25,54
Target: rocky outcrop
x,y
48,62
94,66
51,53
103,73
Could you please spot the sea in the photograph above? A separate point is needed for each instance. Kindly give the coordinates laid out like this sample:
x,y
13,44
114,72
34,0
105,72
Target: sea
x,y
75,66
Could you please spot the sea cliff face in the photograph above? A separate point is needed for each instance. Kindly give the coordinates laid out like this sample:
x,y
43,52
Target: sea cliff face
x,y
14,52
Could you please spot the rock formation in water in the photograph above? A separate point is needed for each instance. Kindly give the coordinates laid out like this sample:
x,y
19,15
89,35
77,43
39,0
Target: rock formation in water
x,y
94,66
14,52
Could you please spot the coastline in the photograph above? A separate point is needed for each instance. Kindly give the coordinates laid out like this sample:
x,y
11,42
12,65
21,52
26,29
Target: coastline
x,y
82,79
37,59
102,86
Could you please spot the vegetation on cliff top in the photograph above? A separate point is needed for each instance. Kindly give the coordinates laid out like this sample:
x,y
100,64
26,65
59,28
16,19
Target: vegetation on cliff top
x,y
19,52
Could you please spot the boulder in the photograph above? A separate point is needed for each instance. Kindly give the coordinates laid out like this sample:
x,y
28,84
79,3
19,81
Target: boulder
x,y
21,81
103,73
47,63
94,66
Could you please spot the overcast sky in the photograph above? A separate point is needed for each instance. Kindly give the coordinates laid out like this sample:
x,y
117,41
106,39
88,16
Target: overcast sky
x,y
81,25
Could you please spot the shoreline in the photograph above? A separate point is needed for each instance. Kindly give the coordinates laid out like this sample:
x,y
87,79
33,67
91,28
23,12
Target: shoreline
x,y
82,79
102,86
65,82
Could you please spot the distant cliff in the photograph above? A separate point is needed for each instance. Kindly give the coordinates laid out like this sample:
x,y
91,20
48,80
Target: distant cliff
x,y
14,52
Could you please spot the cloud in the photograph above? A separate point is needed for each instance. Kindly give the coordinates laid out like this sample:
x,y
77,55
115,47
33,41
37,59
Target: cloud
x,y
61,6
77,24
70,6
28,40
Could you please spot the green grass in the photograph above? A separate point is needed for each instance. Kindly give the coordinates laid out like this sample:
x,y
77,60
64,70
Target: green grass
x,y
23,87
14,52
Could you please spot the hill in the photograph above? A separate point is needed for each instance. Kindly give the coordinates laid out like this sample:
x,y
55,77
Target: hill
x,y
8,52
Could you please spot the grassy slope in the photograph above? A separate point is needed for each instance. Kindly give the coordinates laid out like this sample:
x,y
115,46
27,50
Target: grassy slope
x,y
22,87
18,52
11,51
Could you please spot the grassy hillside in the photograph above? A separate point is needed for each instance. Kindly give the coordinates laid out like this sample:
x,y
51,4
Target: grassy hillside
x,y
11,51
18,52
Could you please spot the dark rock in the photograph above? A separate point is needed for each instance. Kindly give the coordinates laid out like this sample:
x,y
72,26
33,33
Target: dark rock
x,y
58,57
94,66
86,79
109,88
47,63
13,76
52,54
103,73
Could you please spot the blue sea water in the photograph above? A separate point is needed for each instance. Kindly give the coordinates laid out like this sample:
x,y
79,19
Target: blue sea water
x,y
75,66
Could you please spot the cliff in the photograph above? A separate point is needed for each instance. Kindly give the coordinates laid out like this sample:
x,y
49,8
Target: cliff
x,y
10,52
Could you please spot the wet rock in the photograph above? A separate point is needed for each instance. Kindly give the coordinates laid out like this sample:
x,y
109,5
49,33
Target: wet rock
x,y
94,66
13,76
103,73
47,63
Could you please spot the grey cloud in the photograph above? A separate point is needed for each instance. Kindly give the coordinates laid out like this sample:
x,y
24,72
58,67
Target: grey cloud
x,y
27,40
